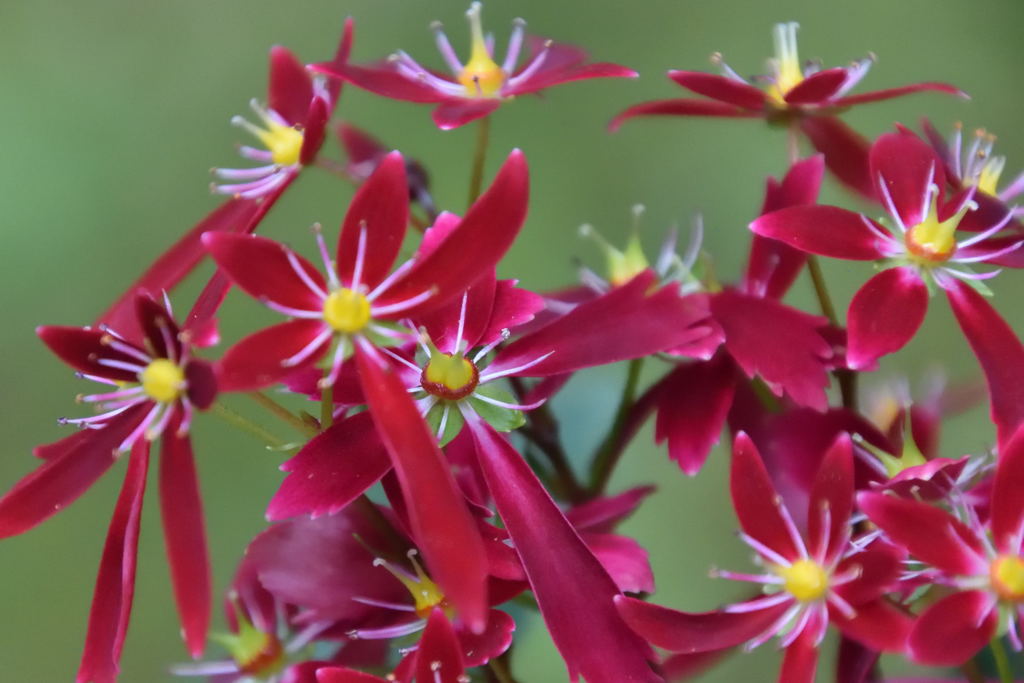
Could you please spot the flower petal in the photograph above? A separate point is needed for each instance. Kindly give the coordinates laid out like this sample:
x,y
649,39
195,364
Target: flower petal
x,y
477,650
877,624
832,491
884,315
624,559
455,113
338,675
547,77
604,513
681,107
800,660
878,570
257,360
439,654
382,80
290,88
904,167
954,629
817,88
825,230
1007,521
845,150
889,93
755,500
81,347
721,88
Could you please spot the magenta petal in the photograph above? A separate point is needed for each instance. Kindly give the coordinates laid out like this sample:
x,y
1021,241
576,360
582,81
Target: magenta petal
x,y
382,80
687,632
878,568
380,209
833,491
889,93
181,509
62,478
845,150
455,113
952,630
825,230
904,166
624,559
1007,521
642,322
477,650
115,583
573,590
290,88
80,347
158,327
439,654
754,498
693,403
818,87
547,77
721,88
604,513
998,350
877,624
314,130
680,107
441,523
201,377
473,248
332,470
256,361
884,315
929,533
513,306
800,661
337,675
443,324
262,268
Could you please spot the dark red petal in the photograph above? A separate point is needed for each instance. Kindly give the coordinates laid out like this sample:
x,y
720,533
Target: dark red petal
x,y
61,479
721,88
905,166
314,130
380,208
681,107
547,77
824,230
878,569
153,318
336,675
443,324
256,361
1007,521
856,663
175,263
624,559
877,625
889,93
201,377
755,500
115,583
689,632
261,267
341,56
800,660
81,347
382,80
290,88
692,406
474,247
439,654
929,533
603,514
845,150
781,344
999,352
833,491
884,315
572,589
629,321
513,306
477,650
954,629
332,470
455,113
441,523
817,88
181,509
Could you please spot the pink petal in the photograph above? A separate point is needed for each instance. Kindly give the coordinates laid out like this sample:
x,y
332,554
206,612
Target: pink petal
x,y
181,509
443,324
800,661
825,230
929,533
624,559
681,107
693,403
262,268
441,522
755,500
439,655
548,77
604,513
845,150
513,306
1007,521
81,347
721,88
456,113
998,350
954,629
290,88
832,491
256,361
477,650
62,478
382,80
791,358
333,469
175,263
571,587
817,88
380,209
905,166
884,315
879,568
115,583
688,632
878,625
336,675
889,93
474,247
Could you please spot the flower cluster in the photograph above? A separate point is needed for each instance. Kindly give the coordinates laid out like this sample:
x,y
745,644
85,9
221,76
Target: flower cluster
x,y
426,485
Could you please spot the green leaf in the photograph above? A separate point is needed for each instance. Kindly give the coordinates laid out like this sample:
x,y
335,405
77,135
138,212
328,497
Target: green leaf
x,y
453,424
502,419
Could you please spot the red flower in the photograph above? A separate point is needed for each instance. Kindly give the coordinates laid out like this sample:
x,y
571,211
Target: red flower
x,y
791,89
155,388
478,87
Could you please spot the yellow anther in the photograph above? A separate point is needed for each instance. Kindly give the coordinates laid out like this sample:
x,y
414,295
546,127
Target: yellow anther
x,y
1007,575
163,380
346,310
805,580
283,142
481,76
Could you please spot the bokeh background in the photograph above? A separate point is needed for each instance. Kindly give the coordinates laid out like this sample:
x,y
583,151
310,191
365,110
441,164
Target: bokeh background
x,y
113,111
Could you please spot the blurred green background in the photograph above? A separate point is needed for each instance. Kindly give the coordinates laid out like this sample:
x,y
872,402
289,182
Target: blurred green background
x,y
113,112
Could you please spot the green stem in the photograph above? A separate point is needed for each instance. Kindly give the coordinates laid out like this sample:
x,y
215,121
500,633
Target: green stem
x,y
1002,660
847,378
246,425
609,451
326,407
279,411
501,670
476,178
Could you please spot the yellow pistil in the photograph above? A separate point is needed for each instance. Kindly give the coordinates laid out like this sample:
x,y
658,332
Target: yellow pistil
x,y
481,76
932,241
805,580
1007,576
346,310
788,73
988,178
163,380
257,653
283,142
452,371
424,591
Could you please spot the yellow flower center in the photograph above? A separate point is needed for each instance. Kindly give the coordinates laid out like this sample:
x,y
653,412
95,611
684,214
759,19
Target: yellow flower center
x,y
805,580
1007,576
163,380
346,310
426,594
284,142
788,73
257,653
481,76
932,241
449,376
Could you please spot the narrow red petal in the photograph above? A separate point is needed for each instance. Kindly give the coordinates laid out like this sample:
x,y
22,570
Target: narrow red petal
x,y
336,675
456,113
382,80
878,625
800,661
755,500
548,77
290,88
681,107
833,491
884,315
256,361
817,88
624,559
721,88
81,347
905,166
889,93
1007,521
439,654
262,268
845,150
824,230
954,629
